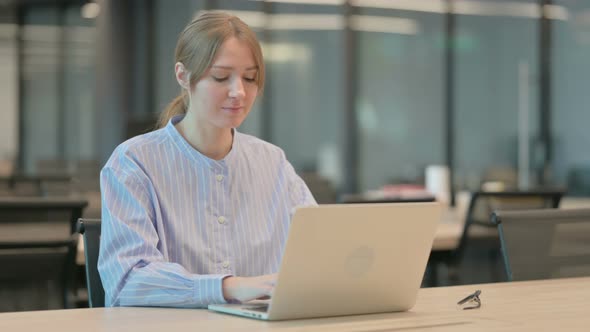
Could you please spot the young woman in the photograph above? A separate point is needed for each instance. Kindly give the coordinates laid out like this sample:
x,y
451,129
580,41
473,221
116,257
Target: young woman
x,y
195,212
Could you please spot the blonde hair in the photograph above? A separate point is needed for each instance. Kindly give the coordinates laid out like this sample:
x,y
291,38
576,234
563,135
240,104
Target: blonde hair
x,y
197,47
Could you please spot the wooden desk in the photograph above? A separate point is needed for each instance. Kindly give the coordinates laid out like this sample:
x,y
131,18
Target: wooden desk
x,y
450,228
574,203
39,181
41,209
31,232
547,305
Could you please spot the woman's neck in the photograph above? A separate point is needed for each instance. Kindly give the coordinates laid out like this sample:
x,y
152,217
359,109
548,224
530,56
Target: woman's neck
x,y
215,143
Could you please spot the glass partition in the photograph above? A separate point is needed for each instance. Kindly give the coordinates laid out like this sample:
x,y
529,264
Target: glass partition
x,y
400,104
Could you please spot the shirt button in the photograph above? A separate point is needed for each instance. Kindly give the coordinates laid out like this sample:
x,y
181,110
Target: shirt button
x,y
219,177
225,264
221,220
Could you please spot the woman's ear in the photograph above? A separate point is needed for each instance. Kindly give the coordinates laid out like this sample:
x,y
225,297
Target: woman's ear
x,y
182,76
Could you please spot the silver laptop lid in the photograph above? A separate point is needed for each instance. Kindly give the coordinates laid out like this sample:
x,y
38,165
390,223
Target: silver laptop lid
x,y
354,259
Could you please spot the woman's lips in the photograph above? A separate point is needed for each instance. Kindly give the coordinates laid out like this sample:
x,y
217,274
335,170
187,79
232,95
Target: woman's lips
x,y
233,109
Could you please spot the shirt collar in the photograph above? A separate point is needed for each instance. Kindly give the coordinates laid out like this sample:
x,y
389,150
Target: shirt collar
x,y
194,154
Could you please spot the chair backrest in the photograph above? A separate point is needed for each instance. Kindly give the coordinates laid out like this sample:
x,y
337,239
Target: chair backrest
x,y
90,229
544,244
321,188
483,203
578,181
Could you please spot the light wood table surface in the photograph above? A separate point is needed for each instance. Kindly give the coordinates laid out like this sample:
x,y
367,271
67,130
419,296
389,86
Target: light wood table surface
x,y
546,305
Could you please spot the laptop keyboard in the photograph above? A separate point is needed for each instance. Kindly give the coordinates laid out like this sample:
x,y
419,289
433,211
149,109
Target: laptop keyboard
x,y
260,308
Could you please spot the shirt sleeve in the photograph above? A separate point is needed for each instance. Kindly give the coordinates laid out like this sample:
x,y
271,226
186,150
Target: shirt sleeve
x,y
300,195
133,271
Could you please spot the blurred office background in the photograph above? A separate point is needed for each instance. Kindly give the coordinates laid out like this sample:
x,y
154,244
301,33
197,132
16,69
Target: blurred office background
x,y
361,94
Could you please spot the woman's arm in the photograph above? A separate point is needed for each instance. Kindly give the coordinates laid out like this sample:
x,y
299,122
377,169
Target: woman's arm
x,y
133,271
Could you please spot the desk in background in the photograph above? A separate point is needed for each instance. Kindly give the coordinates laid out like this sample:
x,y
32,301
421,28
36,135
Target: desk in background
x,y
449,234
40,184
41,209
449,229
37,249
547,305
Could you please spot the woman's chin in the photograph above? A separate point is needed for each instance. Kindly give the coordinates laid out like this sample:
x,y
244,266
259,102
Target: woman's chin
x,y
231,123
234,120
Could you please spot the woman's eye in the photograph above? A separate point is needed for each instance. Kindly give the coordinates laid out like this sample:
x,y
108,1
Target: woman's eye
x,y
220,79
250,79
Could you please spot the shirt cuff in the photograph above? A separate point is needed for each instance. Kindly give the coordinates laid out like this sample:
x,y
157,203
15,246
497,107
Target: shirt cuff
x,y
209,290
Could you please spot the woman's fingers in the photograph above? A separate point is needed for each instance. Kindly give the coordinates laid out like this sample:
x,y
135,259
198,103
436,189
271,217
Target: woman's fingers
x,y
249,288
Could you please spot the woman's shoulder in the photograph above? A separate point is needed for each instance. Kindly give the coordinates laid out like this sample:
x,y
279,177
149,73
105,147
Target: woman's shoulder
x,y
148,140
140,146
256,144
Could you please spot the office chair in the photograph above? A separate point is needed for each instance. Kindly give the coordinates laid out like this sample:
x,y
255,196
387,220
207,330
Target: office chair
x,y
90,230
481,205
37,249
321,188
578,181
544,244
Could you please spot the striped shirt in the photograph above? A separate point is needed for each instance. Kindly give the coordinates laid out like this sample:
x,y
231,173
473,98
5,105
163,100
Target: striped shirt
x,y
175,223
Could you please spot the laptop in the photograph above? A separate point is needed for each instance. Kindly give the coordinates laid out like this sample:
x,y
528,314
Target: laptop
x,y
349,260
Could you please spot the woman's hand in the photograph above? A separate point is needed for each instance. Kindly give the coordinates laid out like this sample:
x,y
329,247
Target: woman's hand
x,y
244,289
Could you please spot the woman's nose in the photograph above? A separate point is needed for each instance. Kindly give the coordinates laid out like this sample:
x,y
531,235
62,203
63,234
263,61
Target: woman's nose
x,y
237,89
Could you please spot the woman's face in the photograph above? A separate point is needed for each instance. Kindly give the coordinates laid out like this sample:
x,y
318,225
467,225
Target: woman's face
x,y
225,94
